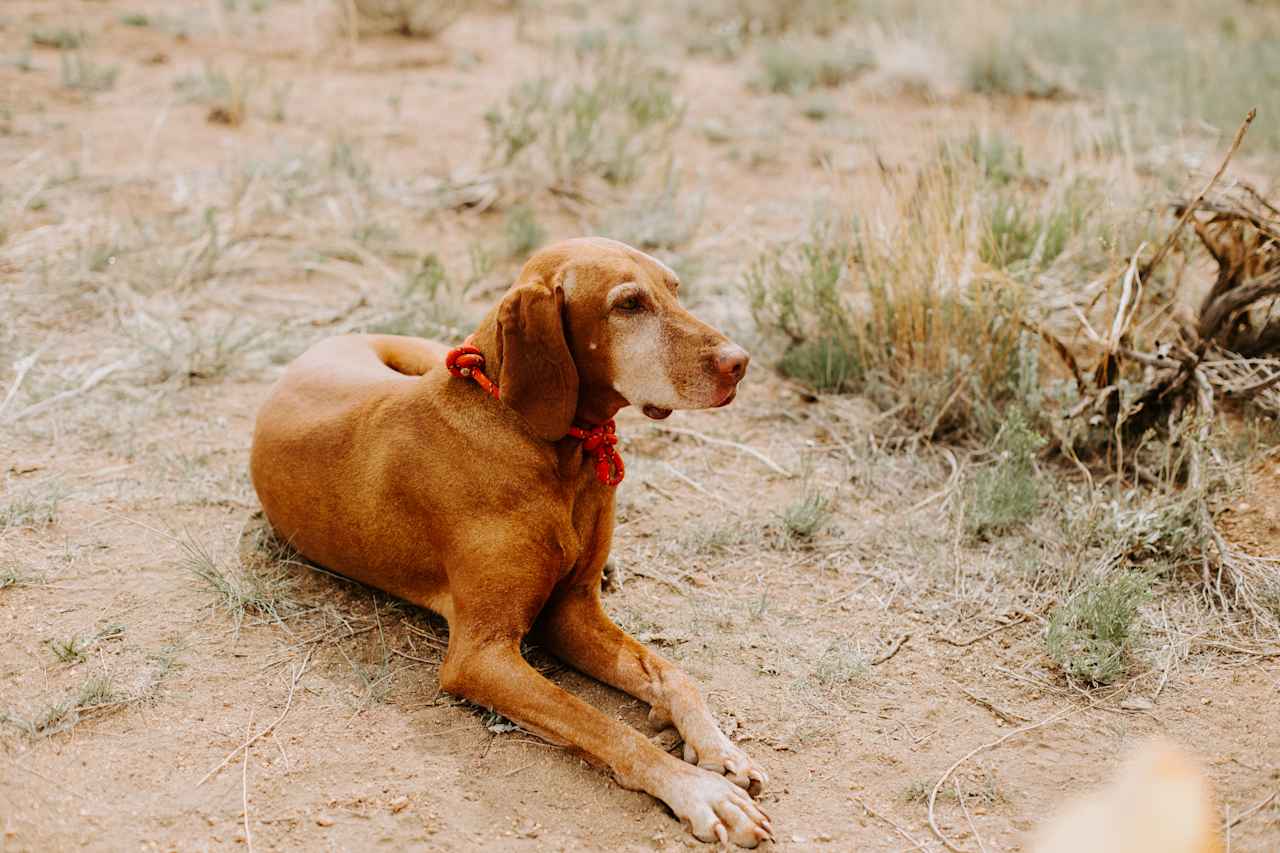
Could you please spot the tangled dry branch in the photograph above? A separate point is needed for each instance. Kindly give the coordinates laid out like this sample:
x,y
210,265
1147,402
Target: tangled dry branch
x,y
1157,372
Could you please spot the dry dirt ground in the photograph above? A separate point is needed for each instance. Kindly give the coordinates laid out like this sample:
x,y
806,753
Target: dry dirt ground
x,y
145,232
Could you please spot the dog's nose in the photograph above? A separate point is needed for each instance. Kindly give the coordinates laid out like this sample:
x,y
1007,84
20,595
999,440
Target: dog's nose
x,y
731,361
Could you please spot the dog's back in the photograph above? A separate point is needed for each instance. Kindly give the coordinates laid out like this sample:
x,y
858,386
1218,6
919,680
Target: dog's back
x,y
1160,802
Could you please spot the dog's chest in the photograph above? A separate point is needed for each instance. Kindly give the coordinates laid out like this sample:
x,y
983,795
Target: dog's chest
x,y
592,519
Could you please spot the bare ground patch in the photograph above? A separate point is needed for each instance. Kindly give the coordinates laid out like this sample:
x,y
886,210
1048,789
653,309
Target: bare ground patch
x,y
192,193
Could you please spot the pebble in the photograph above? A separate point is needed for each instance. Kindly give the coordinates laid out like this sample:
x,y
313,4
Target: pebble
x,y
399,804
324,820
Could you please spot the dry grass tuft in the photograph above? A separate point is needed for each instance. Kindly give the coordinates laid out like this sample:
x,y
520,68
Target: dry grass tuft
x,y
606,112
419,18
723,28
909,312
32,506
264,590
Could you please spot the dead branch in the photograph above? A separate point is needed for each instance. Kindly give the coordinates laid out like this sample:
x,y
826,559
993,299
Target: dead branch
x,y
1191,208
1172,384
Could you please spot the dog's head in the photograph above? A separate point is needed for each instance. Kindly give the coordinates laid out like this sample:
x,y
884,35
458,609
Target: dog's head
x,y
592,325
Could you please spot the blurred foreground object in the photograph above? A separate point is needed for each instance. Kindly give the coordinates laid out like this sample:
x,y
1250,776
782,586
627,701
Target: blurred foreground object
x,y
1160,802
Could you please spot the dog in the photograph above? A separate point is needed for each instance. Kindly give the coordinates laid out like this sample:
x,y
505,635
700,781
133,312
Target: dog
x,y
479,482
1160,802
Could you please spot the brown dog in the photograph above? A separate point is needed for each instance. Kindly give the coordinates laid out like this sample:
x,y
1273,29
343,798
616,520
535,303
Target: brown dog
x,y
376,462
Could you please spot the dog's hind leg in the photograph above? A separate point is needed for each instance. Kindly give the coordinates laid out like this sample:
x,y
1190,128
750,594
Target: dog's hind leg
x,y
576,629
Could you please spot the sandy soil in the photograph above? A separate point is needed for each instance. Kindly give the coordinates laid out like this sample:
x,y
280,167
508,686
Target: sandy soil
x,y
790,642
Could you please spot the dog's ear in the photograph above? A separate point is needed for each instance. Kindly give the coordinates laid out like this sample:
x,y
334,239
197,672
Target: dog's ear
x,y
539,379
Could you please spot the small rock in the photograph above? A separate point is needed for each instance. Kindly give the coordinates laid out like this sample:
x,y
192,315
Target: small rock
x,y
1137,703
823,838
798,839
324,820
399,804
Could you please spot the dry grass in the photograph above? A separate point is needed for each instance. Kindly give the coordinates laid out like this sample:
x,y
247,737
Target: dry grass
x,y
420,18
907,310
245,590
608,111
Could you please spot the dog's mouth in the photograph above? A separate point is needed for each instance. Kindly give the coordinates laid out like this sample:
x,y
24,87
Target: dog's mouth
x,y
658,413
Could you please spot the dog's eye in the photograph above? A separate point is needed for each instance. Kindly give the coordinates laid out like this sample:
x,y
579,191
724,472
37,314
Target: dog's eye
x,y
630,303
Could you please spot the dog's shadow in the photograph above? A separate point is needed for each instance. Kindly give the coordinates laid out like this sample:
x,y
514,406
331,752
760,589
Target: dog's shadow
x,y
388,649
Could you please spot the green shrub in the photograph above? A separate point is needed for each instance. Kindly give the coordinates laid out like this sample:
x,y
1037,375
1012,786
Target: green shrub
x,y
1007,493
523,231
1090,636
793,68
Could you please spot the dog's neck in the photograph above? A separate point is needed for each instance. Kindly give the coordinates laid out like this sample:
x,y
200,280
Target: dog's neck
x,y
596,404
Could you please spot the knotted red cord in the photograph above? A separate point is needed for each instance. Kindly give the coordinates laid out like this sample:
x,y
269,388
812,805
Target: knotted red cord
x,y
468,362
600,441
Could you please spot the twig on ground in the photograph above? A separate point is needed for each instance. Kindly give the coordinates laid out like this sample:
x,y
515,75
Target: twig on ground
x,y
933,795
57,783
896,826
1007,716
244,785
517,770
21,368
1251,811
324,637
408,656
977,836
89,384
293,685
1256,653
432,640
680,475
980,637
952,480
893,649
724,442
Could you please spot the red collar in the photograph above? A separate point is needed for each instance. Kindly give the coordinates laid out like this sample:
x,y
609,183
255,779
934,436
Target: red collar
x,y
599,440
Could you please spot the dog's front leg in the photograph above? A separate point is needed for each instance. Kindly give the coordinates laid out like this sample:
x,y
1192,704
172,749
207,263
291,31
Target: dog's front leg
x,y
491,672
575,628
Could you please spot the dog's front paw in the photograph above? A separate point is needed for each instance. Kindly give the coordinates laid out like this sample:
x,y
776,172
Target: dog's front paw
x,y
719,755
715,809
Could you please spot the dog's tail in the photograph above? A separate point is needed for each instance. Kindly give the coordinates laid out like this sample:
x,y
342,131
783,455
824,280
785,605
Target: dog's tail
x,y
1160,802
